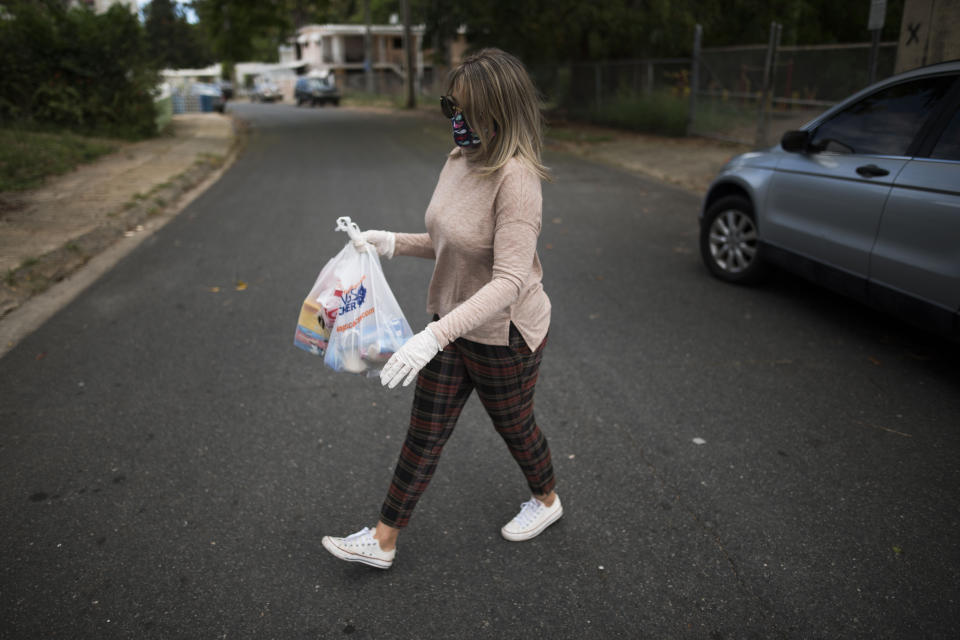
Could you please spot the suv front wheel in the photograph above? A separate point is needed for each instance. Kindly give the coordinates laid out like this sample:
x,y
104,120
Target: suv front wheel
x,y
729,243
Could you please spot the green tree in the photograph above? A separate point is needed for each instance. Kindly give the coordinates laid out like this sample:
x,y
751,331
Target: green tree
x,y
75,68
559,31
173,42
241,30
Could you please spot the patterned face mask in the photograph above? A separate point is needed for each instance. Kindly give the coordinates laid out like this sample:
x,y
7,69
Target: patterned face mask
x,y
463,135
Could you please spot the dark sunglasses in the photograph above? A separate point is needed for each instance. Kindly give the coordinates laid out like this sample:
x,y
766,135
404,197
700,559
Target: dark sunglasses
x,y
449,106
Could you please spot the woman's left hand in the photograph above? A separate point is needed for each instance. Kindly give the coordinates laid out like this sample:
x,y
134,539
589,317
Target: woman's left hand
x,y
409,359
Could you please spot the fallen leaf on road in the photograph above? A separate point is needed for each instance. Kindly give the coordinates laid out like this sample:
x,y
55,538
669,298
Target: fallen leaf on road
x,y
241,285
874,360
882,428
558,221
548,246
214,289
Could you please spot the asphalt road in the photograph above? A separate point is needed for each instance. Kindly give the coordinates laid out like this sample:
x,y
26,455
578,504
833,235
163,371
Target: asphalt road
x,y
169,461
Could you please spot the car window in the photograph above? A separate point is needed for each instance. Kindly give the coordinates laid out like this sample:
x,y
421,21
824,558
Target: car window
x,y
886,122
948,146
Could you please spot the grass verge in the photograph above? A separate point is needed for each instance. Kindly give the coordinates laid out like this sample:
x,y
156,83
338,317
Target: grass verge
x,y
557,132
28,157
660,113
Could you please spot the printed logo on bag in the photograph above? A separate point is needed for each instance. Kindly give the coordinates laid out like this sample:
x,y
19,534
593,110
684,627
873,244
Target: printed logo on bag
x,y
353,298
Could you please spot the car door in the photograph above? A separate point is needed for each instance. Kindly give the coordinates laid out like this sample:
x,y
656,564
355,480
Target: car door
x,y
917,251
826,204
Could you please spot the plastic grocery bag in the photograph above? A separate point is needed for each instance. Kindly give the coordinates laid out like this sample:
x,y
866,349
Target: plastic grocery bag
x,y
317,314
350,316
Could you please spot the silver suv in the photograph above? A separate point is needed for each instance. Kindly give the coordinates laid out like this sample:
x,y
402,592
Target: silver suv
x,y
864,199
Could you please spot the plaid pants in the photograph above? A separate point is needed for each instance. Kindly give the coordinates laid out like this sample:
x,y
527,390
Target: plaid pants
x,y
504,378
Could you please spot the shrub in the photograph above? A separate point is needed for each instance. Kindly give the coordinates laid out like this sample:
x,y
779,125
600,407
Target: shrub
x,y
75,68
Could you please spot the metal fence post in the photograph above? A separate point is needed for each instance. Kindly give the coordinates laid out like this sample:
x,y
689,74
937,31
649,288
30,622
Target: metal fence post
x,y
694,77
874,56
763,111
598,82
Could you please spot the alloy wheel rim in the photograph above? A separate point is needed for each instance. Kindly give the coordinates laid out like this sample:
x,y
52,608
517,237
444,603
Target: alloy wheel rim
x,y
733,241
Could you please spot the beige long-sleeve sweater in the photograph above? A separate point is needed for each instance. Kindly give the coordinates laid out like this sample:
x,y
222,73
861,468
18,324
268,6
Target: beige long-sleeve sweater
x,y
482,231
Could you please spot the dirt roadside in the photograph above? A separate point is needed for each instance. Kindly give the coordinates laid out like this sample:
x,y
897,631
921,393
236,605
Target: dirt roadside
x,y
689,163
101,210
56,239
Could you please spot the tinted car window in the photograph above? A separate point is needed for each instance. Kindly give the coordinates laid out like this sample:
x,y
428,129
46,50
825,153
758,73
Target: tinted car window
x,y
948,146
886,122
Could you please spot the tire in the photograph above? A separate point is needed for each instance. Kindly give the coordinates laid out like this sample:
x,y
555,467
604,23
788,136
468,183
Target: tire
x,y
729,241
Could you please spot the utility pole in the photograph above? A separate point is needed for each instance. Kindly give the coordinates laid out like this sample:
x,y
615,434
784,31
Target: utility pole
x,y
367,48
408,46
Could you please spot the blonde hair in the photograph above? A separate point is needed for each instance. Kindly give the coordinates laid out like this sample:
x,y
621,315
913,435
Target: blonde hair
x,y
502,106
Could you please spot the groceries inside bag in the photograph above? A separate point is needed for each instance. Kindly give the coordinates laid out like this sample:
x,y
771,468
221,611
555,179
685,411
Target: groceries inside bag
x,y
350,316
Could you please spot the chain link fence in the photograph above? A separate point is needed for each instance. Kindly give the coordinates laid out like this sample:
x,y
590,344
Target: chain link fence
x,y
645,95
749,94
753,94
744,94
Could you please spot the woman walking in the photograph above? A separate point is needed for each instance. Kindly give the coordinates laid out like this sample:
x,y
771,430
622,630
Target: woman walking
x,y
491,314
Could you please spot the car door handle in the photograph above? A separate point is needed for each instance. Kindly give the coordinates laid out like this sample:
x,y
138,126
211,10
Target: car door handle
x,y
872,171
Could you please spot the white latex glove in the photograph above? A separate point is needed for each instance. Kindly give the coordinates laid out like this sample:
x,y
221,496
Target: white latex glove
x,y
384,241
409,359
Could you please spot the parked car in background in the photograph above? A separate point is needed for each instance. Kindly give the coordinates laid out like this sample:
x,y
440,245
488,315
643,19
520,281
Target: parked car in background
x,y
316,91
864,199
265,90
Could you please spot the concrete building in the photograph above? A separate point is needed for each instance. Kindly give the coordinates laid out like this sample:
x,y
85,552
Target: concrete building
x,y
338,49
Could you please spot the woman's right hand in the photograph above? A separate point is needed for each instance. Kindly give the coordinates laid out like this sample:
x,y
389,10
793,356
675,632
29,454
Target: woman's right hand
x,y
384,241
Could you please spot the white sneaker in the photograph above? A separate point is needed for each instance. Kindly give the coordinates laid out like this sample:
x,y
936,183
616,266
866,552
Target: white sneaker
x,y
360,547
533,518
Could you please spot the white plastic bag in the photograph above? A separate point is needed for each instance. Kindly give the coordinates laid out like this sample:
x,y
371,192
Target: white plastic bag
x,y
353,303
317,314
